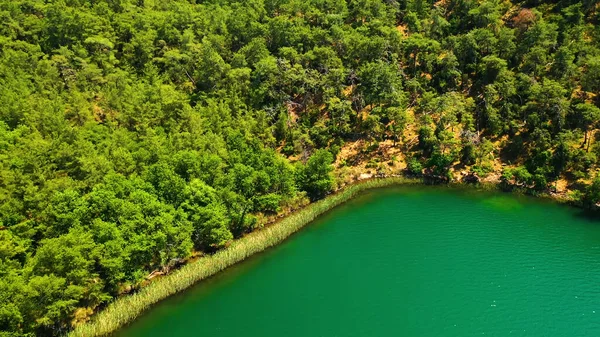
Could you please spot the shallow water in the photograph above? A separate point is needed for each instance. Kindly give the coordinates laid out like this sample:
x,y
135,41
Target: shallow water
x,y
410,261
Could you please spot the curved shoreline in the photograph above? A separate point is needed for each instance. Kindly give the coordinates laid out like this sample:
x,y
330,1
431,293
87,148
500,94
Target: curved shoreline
x,y
125,309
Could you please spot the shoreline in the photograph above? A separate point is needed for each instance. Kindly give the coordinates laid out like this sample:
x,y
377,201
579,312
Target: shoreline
x,y
123,310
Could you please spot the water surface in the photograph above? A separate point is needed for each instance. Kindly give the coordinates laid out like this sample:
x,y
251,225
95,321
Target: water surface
x,y
410,261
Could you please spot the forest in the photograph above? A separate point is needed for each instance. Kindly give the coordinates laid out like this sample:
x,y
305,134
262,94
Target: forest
x,y
137,134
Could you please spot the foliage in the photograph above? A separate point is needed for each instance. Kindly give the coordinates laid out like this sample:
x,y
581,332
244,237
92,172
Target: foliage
x,y
315,177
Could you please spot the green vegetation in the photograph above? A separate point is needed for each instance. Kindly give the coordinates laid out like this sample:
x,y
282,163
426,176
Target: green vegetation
x,y
137,134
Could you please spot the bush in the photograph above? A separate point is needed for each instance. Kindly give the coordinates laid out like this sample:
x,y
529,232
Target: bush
x,y
268,203
315,177
520,175
414,167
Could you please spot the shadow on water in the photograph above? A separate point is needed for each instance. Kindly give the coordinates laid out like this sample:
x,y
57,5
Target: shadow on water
x,y
589,215
496,199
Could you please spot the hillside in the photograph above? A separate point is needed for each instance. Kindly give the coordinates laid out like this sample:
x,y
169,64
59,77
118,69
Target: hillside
x,y
135,135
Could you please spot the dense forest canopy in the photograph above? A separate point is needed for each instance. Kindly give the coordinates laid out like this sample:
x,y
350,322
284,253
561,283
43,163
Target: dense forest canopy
x,y
134,134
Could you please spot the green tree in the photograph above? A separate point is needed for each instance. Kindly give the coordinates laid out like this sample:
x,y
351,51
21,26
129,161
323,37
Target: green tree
x,y
592,194
315,176
587,116
207,214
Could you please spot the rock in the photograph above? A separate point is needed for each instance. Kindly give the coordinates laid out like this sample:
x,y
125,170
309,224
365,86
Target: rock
x,y
471,178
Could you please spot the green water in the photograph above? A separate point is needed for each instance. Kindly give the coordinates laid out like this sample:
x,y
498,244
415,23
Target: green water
x,y
414,261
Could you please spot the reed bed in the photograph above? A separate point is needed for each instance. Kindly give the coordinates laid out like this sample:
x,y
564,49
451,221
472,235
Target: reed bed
x,y
125,309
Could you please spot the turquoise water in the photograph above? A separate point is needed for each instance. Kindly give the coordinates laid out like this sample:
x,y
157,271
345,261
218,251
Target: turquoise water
x,y
410,261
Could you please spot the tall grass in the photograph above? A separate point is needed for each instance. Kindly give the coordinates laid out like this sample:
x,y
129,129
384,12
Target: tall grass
x,y
127,308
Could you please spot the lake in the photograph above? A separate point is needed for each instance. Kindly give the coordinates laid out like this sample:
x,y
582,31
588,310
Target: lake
x,y
407,261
